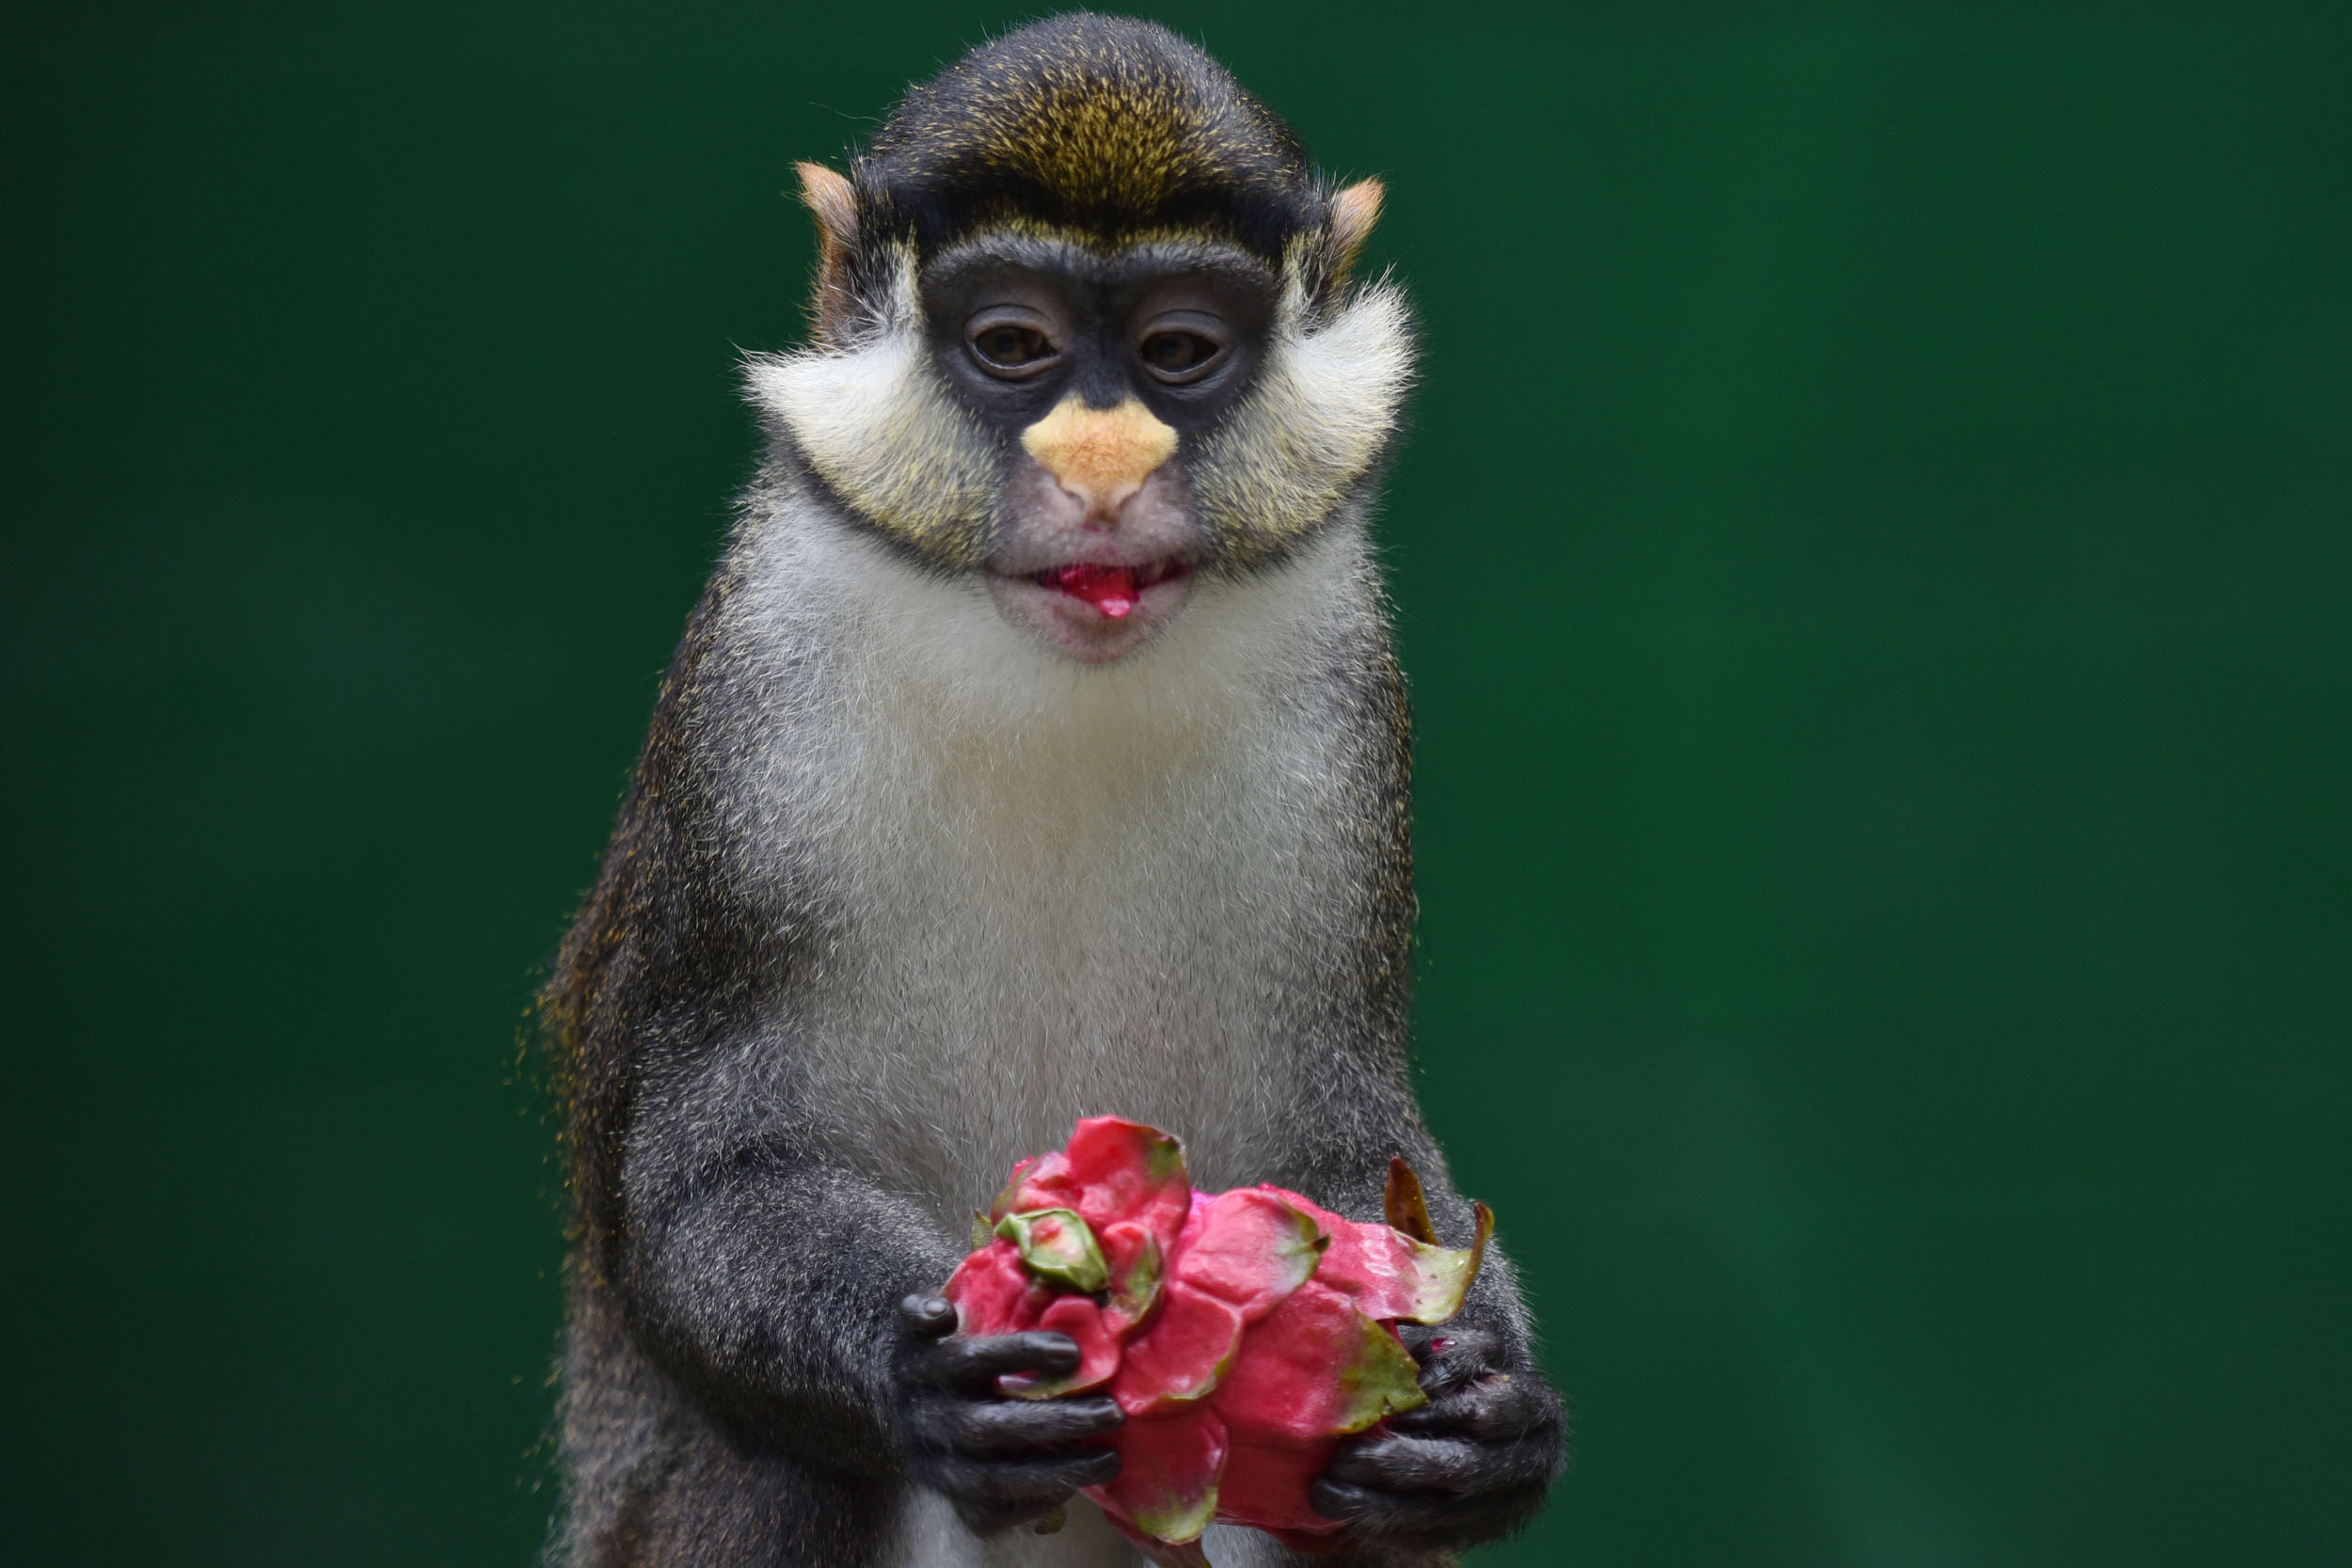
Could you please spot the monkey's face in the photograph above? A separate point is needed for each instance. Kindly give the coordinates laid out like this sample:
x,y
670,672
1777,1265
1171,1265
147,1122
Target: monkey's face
x,y
1097,434
1085,332
1099,379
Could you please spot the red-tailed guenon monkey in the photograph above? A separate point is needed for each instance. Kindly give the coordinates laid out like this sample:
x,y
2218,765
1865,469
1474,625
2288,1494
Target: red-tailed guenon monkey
x,y
1036,751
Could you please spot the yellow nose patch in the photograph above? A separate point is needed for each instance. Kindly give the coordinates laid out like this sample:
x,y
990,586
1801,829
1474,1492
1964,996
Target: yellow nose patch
x,y
1102,455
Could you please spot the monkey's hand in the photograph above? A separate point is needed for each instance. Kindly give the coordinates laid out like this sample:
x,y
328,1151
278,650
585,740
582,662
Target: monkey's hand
x,y
1000,1461
1470,1465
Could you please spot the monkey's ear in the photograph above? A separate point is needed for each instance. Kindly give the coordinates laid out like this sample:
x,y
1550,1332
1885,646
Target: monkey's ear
x,y
834,200
1354,210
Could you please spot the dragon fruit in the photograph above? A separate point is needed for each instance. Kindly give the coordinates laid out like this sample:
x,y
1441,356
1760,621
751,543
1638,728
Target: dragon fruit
x,y
1244,1334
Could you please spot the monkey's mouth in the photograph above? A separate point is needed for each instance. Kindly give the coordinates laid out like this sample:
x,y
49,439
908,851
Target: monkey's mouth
x,y
1095,611
1115,591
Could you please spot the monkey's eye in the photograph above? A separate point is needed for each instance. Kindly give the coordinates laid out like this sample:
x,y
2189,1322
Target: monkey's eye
x,y
1175,355
1011,348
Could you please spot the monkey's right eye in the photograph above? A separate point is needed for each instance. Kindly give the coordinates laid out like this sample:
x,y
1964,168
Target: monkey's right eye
x,y
1009,348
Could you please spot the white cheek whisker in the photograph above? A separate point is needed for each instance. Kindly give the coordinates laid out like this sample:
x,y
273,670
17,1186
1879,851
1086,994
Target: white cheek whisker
x,y
876,424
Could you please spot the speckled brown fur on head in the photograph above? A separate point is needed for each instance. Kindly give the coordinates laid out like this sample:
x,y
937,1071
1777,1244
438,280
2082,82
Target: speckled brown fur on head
x,y
1104,127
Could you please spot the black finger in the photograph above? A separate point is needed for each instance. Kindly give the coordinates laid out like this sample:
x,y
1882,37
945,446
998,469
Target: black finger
x,y
1347,1502
1424,1518
983,1358
1497,1408
1019,1483
1013,1426
1468,1357
928,1316
1444,1464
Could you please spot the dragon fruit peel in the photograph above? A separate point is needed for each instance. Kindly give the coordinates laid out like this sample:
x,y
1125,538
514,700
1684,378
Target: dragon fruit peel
x,y
1245,1334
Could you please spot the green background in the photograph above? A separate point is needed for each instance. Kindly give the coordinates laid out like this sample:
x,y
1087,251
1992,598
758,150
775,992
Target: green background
x,y
1874,558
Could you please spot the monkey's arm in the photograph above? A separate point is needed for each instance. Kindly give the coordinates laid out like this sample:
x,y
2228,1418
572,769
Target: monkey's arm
x,y
1475,1462
767,1284
795,1301
764,1279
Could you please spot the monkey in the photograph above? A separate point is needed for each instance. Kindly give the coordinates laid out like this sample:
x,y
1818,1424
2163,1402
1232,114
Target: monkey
x,y
1036,751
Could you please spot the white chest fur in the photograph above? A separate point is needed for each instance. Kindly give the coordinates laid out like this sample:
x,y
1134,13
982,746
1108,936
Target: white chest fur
x,y
1057,891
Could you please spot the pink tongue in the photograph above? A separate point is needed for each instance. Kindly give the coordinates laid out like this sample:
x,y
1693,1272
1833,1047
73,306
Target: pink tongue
x,y
1109,589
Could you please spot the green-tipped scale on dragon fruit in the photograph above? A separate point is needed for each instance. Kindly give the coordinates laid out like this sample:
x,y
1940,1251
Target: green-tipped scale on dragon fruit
x,y
1320,1368
1058,1247
1407,1208
1395,1278
1112,1170
1245,1334
1136,1269
1180,1357
1249,1248
1168,1476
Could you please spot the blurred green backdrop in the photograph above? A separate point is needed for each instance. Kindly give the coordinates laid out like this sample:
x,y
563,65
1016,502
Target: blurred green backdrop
x,y
1875,562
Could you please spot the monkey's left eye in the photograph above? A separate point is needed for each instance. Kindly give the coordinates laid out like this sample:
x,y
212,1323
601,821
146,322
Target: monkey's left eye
x,y
1179,356
1008,348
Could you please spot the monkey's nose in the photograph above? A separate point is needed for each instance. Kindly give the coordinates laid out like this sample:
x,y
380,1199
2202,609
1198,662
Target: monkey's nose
x,y
1100,455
